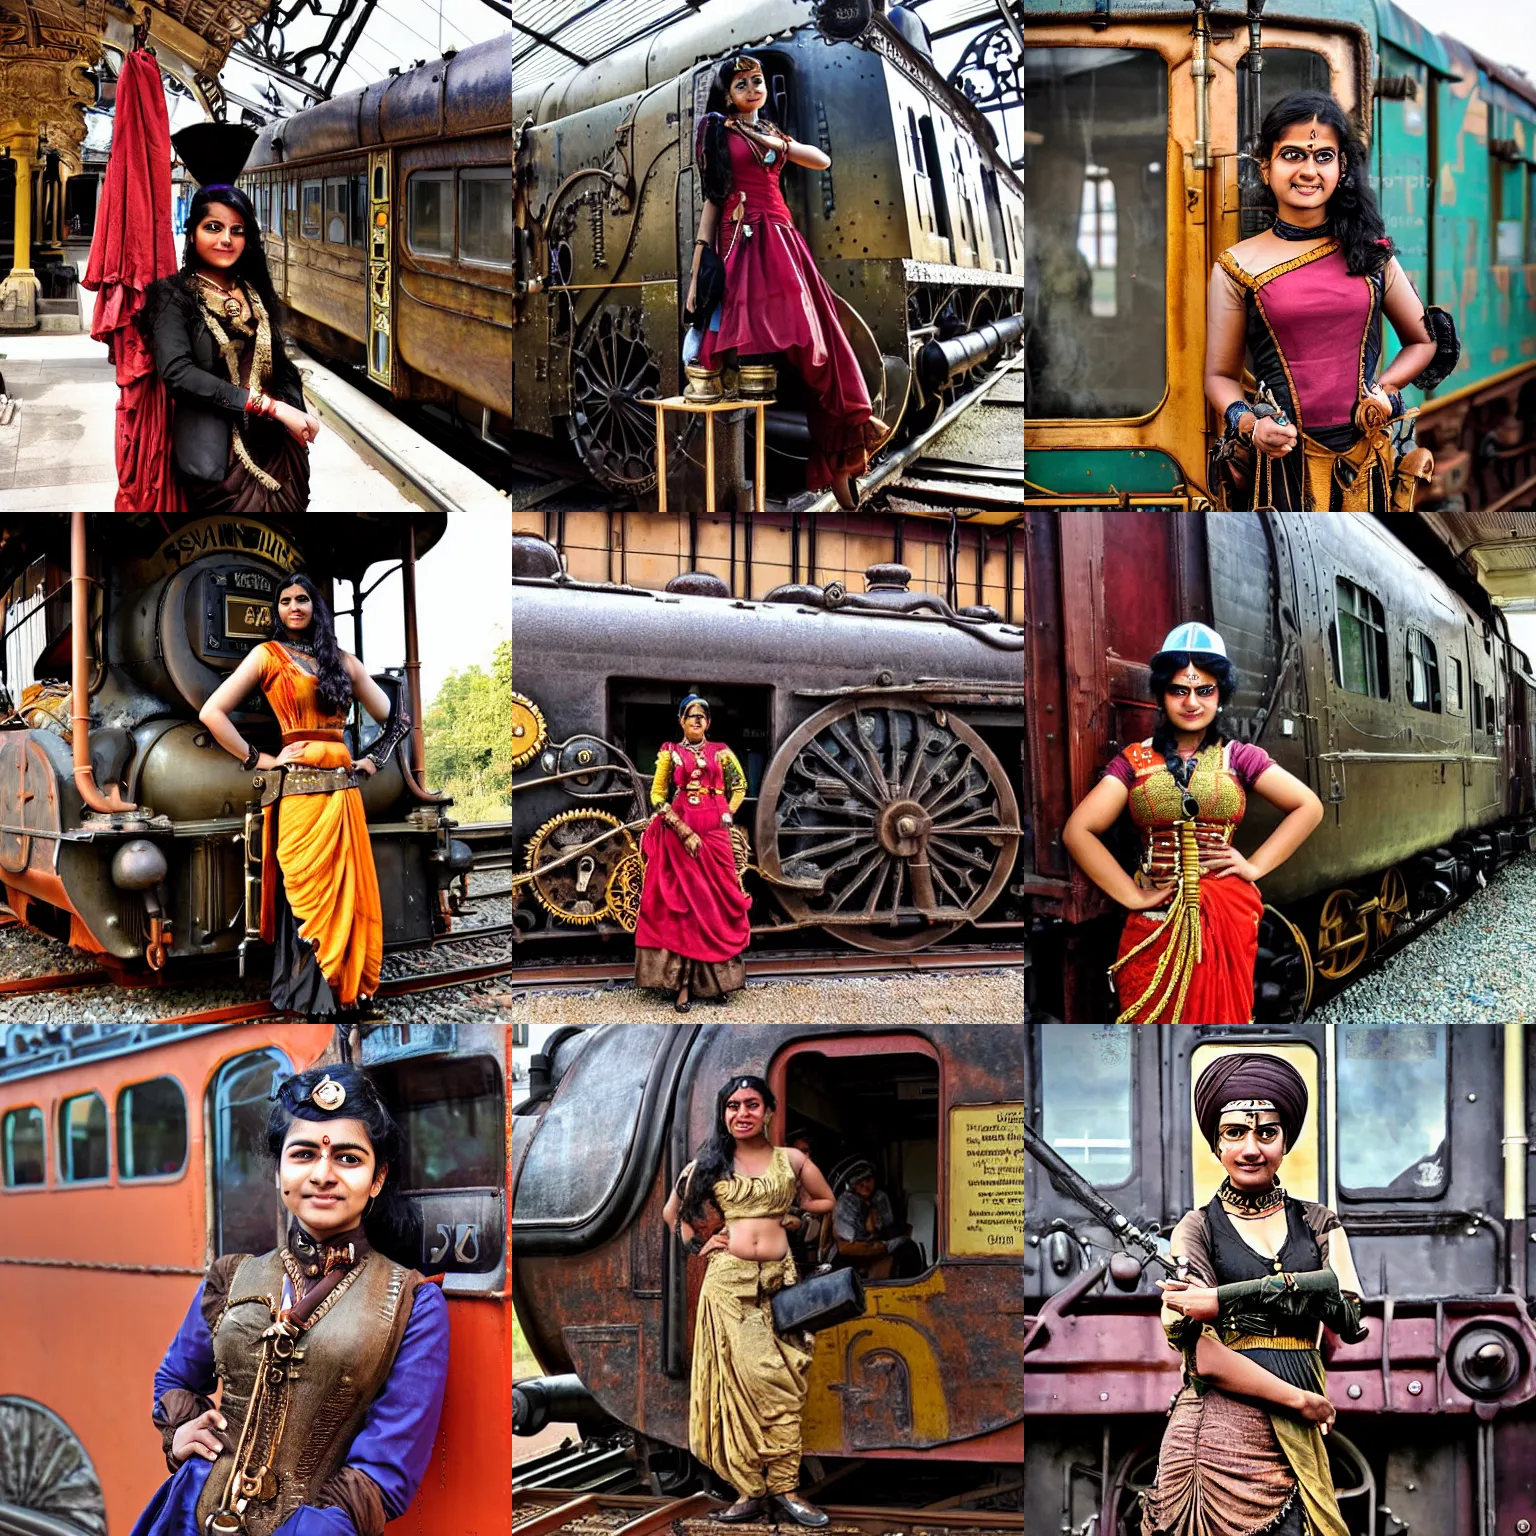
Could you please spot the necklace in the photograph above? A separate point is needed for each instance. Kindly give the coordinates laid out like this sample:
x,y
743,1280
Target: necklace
x,y
762,156
231,306
1296,232
1258,1204
300,645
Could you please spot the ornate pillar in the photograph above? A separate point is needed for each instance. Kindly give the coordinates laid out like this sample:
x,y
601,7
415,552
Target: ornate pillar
x,y
19,292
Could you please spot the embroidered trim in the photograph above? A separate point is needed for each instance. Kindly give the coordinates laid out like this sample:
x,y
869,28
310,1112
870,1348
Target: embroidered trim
x,y
261,365
1326,249
335,1296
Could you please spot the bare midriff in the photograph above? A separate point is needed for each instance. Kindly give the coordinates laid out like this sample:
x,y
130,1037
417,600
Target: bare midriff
x,y
756,1237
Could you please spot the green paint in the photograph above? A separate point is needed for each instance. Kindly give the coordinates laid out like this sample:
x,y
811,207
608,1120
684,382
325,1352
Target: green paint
x,y
1102,472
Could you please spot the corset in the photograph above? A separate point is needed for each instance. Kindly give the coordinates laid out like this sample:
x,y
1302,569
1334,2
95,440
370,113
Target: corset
x,y
320,1393
770,1194
758,184
1156,805
696,771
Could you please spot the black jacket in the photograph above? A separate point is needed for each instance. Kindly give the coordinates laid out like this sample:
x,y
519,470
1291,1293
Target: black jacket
x,y
187,359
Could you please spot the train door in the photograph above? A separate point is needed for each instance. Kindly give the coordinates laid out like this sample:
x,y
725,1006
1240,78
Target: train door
x,y
1482,764
381,280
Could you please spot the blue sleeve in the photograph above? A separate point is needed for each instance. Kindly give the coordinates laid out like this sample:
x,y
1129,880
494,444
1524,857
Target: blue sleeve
x,y
307,1521
188,1363
394,1445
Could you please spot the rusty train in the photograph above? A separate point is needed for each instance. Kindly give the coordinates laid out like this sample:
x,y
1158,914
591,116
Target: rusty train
x,y
1373,668
125,829
1416,1137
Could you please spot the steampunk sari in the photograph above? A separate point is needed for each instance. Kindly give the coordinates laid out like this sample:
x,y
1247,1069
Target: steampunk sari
x,y
1190,962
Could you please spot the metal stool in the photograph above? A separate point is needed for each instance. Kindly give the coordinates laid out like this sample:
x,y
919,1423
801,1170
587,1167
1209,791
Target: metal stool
x,y
707,409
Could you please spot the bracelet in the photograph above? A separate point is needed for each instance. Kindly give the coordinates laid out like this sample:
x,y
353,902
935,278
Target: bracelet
x,y
1234,414
249,760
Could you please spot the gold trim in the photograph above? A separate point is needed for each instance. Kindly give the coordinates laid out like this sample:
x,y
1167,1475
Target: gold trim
x,y
1326,249
1265,1341
1235,269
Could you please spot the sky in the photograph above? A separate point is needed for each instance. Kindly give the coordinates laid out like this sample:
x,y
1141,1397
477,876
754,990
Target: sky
x,y
1503,30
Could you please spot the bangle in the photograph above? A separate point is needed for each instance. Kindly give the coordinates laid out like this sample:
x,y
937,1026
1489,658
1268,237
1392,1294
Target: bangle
x,y
249,760
1234,414
705,243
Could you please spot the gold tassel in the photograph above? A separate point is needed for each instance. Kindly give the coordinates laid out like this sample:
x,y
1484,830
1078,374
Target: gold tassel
x,y
1181,928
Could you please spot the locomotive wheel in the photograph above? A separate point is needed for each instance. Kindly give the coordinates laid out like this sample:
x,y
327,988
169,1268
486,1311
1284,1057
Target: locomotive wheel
x,y
887,821
613,374
529,732
1284,974
1391,905
576,891
1343,935
45,1470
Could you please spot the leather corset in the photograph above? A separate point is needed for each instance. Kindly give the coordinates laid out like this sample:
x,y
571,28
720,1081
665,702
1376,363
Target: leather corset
x,y
340,1366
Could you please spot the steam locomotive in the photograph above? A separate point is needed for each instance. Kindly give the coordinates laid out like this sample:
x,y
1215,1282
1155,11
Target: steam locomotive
x,y
881,733
125,829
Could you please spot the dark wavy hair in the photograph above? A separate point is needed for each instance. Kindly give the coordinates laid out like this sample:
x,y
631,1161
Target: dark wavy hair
x,y
1352,210
717,1160
719,99
390,1220
1166,665
252,265
335,686
711,152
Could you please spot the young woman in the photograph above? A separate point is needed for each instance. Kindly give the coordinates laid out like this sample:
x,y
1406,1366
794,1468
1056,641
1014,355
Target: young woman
x,y
1243,1450
775,299
1187,789
332,1350
320,892
1305,299
693,924
748,1385
240,429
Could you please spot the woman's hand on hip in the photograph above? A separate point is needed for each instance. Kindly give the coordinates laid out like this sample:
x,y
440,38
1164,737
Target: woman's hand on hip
x,y
365,766
1224,861
1152,896
198,1437
1272,439
293,752
1197,1301
717,1244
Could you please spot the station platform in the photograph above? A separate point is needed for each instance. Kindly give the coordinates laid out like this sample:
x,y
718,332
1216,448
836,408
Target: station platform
x,y
57,452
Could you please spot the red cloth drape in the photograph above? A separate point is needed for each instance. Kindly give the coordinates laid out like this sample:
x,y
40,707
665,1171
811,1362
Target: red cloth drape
x,y
131,249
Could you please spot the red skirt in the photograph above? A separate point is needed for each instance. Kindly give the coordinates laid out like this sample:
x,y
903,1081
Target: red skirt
x,y
692,906
1219,986
776,301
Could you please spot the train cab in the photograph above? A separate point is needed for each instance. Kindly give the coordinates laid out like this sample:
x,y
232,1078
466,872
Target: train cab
x,y
603,1291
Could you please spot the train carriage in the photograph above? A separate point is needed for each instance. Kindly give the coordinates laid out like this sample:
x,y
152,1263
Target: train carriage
x,y
132,1155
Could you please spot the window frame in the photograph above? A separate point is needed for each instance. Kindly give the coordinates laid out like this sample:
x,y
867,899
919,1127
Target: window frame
x,y
1134,1116
214,1159
318,185
345,183
6,1185
470,173
61,1129
425,174
1461,696
1431,665
118,1127
1379,1195
1377,627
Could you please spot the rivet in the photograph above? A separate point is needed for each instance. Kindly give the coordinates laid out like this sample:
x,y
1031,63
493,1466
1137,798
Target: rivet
x,y
1103,1397
1471,1098
1354,1390
1415,1387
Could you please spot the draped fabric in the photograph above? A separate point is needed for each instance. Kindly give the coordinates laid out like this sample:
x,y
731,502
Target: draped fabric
x,y
748,1385
322,849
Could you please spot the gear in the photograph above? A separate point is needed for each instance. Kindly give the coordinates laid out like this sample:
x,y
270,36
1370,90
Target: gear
x,y
529,732
576,889
624,891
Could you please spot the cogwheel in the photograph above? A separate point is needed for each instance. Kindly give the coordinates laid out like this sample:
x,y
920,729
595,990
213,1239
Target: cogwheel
x,y
624,891
575,889
529,732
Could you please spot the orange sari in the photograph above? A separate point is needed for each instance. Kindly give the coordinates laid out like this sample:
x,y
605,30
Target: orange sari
x,y
321,842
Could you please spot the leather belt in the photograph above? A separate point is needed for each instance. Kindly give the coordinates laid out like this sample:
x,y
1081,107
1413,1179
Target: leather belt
x,y
289,736
300,779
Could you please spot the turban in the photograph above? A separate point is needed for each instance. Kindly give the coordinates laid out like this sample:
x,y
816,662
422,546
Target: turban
x,y
1249,1075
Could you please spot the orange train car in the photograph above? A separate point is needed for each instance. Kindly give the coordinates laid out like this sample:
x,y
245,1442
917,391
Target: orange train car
x,y
131,1155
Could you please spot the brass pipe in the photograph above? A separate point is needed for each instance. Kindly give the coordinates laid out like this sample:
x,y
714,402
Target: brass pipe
x,y
1200,72
80,680
418,760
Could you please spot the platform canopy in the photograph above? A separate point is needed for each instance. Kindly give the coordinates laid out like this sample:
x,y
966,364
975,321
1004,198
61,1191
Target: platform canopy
x,y
1499,548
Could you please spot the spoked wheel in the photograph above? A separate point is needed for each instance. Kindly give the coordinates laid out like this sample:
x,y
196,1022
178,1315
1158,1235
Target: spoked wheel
x,y
1283,990
44,1470
614,376
1343,935
887,821
1391,905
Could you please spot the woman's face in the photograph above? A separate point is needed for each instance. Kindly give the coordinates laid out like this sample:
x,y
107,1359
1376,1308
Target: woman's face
x,y
745,1113
695,723
328,1174
1250,1145
1192,699
295,607
220,237
1304,167
748,91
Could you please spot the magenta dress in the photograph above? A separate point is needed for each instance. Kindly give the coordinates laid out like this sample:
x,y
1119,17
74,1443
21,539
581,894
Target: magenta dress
x,y
776,301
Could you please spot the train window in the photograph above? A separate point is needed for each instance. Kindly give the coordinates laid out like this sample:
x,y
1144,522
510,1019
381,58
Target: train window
x,y
429,213
358,225
1423,672
24,1146
1095,166
1085,1089
336,196
1359,641
485,216
151,1129
1294,69
1479,705
35,614
1453,685
83,1138
1391,1085
246,1209
310,195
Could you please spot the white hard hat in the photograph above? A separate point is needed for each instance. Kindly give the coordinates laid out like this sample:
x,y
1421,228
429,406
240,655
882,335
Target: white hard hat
x,y
1197,638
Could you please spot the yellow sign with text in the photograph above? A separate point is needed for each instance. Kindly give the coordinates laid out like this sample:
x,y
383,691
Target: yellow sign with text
x,y
986,1181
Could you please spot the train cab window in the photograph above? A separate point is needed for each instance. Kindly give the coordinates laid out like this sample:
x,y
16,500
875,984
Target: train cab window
x,y
1359,638
337,197
151,1130
24,1143
1085,1091
1095,166
83,1138
1453,703
1294,69
1480,713
1423,672
485,216
34,616
310,202
429,213
1392,1085
247,1215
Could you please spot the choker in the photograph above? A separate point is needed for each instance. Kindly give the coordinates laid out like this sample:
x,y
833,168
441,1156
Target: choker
x,y
1260,1204
1296,232
299,645
317,1257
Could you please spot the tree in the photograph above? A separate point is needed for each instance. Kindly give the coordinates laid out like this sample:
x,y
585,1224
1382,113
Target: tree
x,y
469,739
